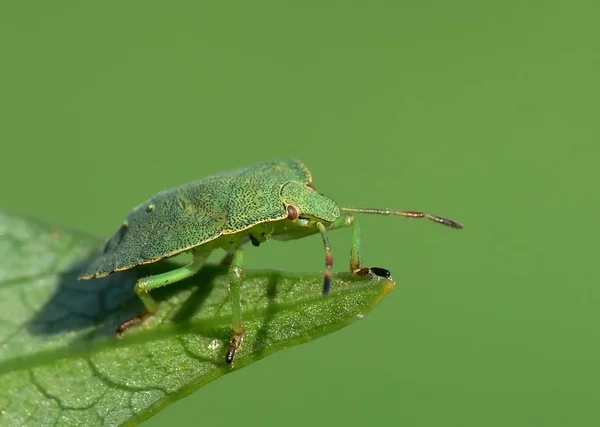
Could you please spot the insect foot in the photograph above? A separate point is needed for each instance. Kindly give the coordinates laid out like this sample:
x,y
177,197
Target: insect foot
x,y
134,321
381,272
235,343
373,271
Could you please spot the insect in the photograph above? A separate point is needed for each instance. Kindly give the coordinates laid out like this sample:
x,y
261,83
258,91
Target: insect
x,y
270,200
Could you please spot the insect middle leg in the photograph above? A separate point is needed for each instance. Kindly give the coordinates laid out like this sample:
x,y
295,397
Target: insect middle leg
x,y
144,285
235,283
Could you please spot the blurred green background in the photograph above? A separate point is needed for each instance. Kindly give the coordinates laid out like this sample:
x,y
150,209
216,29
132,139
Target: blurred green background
x,y
486,112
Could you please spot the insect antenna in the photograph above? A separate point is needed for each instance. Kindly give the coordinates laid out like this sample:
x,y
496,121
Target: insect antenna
x,y
407,214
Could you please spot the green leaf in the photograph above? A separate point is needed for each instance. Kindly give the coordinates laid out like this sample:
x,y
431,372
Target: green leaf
x,y
61,364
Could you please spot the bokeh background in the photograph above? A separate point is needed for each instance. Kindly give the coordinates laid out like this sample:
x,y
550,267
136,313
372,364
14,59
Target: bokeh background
x,y
486,112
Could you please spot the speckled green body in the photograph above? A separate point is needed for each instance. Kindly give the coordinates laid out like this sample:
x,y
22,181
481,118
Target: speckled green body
x,y
274,199
228,207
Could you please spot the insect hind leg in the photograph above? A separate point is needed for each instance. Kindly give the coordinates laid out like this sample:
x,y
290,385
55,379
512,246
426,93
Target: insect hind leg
x,y
144,285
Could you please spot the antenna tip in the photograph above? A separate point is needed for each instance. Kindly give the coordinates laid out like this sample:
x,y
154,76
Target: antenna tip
x,y
448,222
456,225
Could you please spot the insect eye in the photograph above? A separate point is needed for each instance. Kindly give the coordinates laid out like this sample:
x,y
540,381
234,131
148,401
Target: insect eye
x,y
292,212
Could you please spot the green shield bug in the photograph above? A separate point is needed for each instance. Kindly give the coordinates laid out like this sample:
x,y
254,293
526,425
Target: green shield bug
x,y
273,199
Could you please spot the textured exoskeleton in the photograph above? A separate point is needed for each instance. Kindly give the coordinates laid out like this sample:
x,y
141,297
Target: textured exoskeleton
x,y
274,199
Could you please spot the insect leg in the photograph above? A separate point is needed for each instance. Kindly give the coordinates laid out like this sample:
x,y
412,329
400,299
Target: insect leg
x,y
351,221
356,266
235,283
328,259
146,284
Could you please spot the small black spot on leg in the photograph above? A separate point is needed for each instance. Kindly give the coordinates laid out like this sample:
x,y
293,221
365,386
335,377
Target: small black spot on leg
x,y
254,241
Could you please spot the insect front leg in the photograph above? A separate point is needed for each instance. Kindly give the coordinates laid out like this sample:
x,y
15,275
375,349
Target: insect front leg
x,y
351,221
356,266
328,259
235,283
144,285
